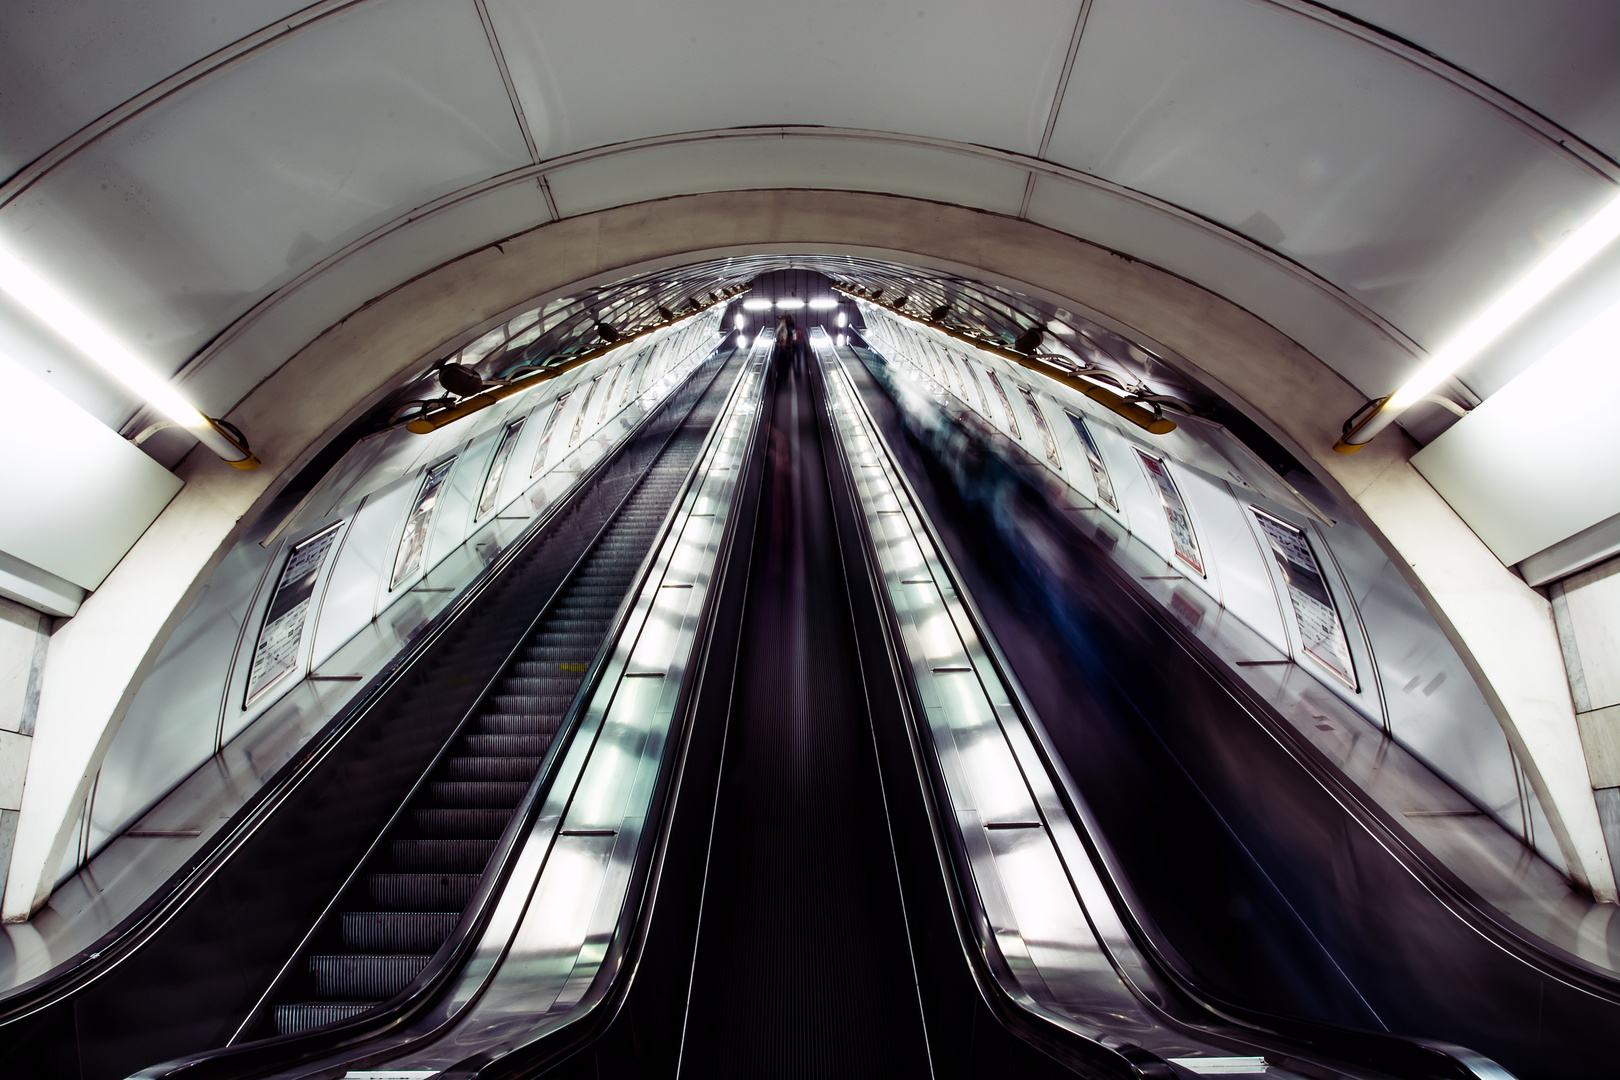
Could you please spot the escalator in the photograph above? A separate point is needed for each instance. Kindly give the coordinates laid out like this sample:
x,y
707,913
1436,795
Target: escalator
x,y
413,890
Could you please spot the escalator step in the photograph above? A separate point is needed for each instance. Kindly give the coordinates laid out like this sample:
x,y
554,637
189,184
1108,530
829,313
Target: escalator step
x,y
526,704
552,682
538,724
576,643
476,793
309,1015
422,892
442,856
397,931
550,668
522,743
490,767
372,978
467,823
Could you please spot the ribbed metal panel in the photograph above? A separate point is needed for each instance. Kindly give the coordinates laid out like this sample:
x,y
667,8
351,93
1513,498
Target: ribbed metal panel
x,y
369,978
309,1015
396,931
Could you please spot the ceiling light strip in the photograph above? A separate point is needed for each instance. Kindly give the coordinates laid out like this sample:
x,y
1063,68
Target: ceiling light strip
x,y
68,320
1578,249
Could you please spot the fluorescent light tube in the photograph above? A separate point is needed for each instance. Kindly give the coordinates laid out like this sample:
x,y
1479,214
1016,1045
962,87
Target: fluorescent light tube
x,y
1568,257
85,334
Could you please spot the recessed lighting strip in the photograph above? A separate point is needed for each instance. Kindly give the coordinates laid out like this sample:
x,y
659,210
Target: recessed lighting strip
x,y
71,322
1599,231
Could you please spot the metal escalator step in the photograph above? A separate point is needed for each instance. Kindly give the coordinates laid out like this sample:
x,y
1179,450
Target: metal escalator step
x,y
553,653
577,642
491,767
370,978
568,625
542,724
422,892
548,669
553,681
528,744
442,856
309,1015
397,931
476,793
471,823
526,704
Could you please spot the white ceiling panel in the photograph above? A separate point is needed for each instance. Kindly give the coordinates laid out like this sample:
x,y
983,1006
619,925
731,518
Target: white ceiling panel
x,y
1367,358
590,72
1560,57
64,64
742,164
179,220
1413,196
368,273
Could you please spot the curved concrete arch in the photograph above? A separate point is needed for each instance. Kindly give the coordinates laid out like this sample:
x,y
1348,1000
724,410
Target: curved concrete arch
x,y
1503,630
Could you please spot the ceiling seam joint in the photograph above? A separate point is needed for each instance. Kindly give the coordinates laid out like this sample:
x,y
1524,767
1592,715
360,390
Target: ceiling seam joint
x,y
1057,101
511,92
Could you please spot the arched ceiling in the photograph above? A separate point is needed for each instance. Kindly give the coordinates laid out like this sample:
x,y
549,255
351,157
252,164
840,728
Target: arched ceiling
x,y
218,182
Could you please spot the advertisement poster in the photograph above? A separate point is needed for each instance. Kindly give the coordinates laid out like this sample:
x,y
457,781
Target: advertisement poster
x,y
276,652
1012,420
584,407
1047,441
984,399
1314,610
1175,511
497,467
1099,468
545,435
414,539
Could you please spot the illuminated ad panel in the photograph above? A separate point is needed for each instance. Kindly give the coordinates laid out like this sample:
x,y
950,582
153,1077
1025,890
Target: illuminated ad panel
x,y
1047,441
1175,511
414,539
545,435
1094,458
497,467
1314,610
276,652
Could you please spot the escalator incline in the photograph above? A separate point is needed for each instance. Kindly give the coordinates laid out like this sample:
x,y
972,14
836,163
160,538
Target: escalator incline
x,y
411,896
